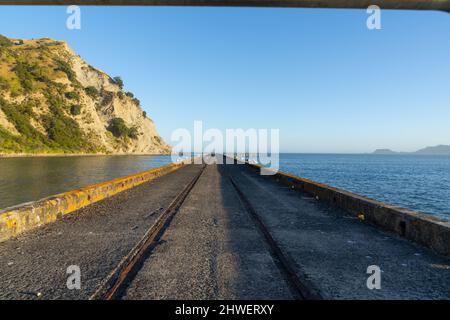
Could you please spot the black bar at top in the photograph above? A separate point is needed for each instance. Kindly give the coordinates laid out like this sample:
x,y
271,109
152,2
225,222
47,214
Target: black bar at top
x,y
362,4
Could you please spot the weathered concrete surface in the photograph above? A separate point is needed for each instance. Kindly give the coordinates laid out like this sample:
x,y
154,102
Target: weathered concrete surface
x,y
330,249
212,249
20,218
334,249
363,4
95,238
418,227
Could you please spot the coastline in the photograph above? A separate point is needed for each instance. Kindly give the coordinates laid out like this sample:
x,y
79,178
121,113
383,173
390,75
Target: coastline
x,y
36,155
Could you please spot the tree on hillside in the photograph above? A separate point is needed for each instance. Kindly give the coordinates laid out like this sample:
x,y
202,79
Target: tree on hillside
x,y
118,81
92,91
118,127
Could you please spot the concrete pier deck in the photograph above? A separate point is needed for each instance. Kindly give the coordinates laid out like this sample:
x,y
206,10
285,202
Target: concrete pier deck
x,y
212,248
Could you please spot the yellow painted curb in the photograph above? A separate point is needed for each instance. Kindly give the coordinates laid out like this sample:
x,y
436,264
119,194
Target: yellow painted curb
x,y
27,216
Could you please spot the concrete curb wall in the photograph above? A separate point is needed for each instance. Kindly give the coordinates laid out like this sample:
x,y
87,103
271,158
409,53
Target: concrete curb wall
x,y
27,216
415,226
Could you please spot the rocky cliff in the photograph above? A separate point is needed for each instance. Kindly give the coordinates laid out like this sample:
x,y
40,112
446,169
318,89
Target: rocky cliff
x,y
52,101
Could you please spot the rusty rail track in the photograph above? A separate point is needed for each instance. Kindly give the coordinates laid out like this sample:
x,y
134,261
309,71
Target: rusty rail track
x,y
117,280
299,286
113,285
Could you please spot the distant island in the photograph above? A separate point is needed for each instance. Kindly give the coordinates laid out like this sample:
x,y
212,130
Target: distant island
x,y
436,150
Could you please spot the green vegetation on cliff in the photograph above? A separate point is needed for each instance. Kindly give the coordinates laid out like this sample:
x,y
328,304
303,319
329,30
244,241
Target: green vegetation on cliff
x,y
62,134
119,129
52,101
29,73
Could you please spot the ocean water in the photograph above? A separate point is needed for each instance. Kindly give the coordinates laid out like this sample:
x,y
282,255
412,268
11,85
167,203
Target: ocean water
x,y
33,178
418,182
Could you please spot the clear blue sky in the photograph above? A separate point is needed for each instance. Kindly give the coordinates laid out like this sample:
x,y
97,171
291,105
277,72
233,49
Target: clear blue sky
x,y
320,76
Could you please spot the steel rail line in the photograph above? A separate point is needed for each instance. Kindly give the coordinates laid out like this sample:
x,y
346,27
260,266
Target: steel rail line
x,y
117,280
299,286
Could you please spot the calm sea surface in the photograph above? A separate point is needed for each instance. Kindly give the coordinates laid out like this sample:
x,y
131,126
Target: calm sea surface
x,y
417,182
33,178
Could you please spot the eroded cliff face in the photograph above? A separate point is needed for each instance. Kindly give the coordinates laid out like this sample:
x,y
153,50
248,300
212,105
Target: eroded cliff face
x,y
52,101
